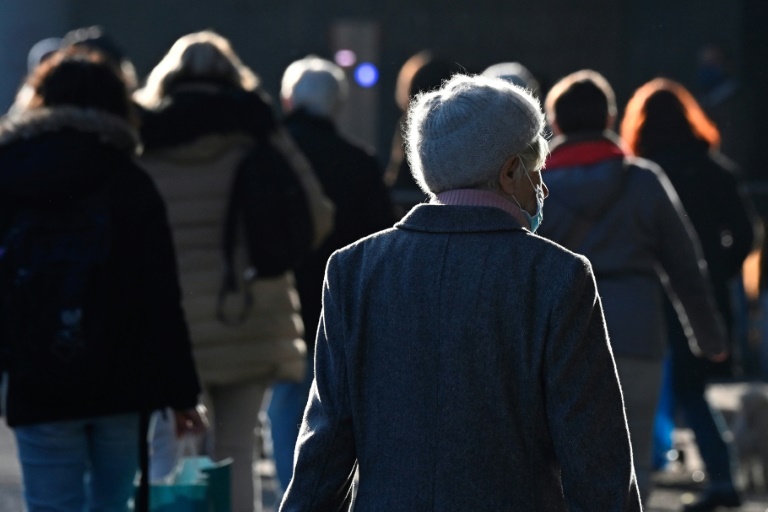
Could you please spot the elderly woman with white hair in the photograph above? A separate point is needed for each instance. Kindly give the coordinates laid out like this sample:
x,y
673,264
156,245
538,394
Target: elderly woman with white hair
x,y
462,362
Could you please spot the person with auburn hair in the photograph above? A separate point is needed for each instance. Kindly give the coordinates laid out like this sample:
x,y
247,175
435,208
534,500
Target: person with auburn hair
x,y
622,213
663,122
422,72
92,333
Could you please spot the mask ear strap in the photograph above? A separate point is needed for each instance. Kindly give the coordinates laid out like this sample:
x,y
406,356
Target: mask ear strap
x,y
516,201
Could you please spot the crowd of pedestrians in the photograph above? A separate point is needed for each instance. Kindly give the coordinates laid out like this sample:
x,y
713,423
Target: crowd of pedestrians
x,y
496,320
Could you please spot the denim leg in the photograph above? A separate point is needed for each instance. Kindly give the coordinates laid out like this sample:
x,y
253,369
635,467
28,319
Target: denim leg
x,y
664,422
54,459
113,443
708,426
286,410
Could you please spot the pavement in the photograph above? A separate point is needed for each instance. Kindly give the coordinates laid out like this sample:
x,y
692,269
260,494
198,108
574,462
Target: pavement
x,y
675,486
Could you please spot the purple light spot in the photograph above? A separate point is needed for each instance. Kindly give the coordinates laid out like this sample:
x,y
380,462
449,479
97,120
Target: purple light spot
x,y
345,58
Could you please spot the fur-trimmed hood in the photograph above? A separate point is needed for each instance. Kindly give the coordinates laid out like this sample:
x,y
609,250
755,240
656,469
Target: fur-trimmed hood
x,y
62,152
109,128
194,111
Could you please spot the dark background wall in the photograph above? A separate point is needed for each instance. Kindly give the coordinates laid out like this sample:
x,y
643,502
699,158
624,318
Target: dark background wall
x,y
629,41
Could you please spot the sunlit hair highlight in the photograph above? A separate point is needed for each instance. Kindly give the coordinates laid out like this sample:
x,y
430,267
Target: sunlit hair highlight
x,y
663,112
317,85
77,77
203,56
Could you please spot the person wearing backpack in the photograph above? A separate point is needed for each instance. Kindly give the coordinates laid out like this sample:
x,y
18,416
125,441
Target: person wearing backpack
x,y
245,207
92,334
623,214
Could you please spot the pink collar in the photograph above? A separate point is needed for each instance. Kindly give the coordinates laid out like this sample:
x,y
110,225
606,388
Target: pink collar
x,y
476,197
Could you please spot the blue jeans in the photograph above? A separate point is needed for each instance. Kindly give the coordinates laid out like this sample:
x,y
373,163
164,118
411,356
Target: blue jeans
x,y
688,378
664,422
708,426
81,465
285,411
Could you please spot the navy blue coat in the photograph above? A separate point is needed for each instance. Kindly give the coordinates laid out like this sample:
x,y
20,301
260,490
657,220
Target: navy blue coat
x,y
463,363
52,156
637,230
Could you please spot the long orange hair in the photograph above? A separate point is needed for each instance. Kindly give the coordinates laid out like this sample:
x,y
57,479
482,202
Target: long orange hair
x,y
662,113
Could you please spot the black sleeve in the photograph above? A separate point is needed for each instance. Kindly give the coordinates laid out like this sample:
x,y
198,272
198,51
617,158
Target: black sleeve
x,y
169,375
738,220
275,212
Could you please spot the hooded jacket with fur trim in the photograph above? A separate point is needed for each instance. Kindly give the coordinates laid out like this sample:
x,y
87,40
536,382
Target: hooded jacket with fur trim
x,y
64,152
196,139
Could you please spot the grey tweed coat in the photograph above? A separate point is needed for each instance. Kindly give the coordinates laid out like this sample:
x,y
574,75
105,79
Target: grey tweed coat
x,y
463,363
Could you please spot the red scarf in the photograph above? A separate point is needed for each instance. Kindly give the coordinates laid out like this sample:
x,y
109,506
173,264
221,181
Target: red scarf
x,y
588,152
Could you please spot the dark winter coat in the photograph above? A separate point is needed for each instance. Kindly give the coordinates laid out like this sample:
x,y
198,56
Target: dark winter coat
x,y
352,179
722,216
463,363
718,209
62,153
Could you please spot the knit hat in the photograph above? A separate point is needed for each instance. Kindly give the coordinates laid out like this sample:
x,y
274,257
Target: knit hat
x,y
460,135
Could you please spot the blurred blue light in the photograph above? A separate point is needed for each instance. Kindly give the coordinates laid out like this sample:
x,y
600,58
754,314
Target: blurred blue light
x,y
366,74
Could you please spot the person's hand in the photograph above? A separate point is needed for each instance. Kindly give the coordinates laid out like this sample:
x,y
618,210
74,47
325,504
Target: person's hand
x,y
191,421
719,357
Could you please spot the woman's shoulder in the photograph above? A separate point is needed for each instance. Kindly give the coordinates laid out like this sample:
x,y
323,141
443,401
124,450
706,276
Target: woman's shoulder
x,y
555,256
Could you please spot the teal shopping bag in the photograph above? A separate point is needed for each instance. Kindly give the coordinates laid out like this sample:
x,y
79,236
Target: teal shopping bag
x,y
198,485
178,498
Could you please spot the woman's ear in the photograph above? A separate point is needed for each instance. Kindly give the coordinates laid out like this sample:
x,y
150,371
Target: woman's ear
x,y
507,180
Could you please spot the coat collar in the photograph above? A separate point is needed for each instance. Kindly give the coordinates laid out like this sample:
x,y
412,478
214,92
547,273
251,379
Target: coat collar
x,y
440,218
303,120
584,149
108,128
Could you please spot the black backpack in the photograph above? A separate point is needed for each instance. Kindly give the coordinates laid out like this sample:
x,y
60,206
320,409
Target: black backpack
x,y
53,297
268,205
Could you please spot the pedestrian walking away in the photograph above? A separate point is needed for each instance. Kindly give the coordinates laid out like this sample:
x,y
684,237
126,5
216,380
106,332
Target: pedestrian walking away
x,y
462,361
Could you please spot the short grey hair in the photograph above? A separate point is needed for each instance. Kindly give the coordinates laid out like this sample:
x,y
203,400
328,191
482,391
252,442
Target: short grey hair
x,y
515,73
460,135
316,85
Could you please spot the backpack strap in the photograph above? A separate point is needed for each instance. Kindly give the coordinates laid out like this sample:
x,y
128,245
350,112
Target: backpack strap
x,y
233,221
583,224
